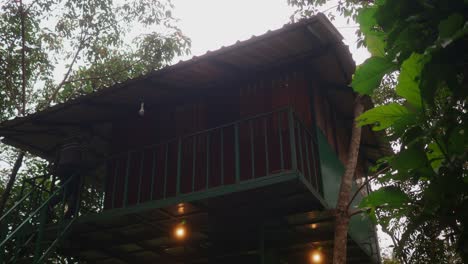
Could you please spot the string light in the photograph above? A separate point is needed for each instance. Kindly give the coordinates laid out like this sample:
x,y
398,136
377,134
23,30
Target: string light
x,y
180,231
316,257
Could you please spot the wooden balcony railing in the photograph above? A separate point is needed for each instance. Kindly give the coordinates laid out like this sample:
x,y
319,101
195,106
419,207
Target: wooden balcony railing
x,y
263,145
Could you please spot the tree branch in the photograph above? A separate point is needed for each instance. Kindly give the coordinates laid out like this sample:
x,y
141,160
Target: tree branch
x,y
62,83
342,216
11,181
23,59
364,184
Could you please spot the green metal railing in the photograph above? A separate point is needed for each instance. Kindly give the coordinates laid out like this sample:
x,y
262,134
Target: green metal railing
x,y
262,145
23,226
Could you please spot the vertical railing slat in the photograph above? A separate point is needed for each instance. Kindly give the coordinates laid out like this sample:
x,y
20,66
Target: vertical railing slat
x,y
194,161
307,158
292,139
280,133
267,159
208,139
299,145
125,198
316,168
252,147
179,165
114,183
222,156
141,176
237,151
166,160
153,172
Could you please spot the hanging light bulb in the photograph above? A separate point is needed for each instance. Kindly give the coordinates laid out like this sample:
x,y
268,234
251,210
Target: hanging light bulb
x,y
316,256
141,112
180,231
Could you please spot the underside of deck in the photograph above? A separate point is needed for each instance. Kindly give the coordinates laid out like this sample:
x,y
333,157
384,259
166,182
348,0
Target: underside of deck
x,y
275,219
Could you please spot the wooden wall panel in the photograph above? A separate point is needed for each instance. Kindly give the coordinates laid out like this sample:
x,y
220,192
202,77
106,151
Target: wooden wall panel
x,y
264,145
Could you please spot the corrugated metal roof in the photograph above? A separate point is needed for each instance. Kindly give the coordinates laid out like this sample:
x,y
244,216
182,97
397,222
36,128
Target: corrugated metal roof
x,y
313,42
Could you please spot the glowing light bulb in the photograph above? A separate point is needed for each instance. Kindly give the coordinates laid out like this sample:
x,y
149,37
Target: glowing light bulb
x,y
313,226
316,256
181,209
180,232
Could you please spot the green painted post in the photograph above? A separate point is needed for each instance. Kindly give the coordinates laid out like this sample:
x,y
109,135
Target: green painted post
x,y
299,145
237,151
194,161
252,149
208,138
179,166
114,183
165,171
315,164
267,160
40,234
262,245
222,156
307,158
280,133
292,140
125,198
141,175
153,173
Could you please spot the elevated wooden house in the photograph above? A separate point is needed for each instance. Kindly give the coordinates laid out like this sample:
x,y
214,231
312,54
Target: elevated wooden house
x,y
244,147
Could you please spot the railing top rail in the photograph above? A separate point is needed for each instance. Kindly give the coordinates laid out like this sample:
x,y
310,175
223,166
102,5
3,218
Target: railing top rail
x,y
127,152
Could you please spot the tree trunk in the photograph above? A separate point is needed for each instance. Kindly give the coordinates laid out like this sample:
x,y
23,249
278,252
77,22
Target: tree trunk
x,y
342,215
11,181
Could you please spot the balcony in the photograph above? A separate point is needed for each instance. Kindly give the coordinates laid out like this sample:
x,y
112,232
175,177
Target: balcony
x,y
246,154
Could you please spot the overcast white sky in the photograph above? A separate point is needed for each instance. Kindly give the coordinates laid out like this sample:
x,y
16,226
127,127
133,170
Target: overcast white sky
x,y
215,23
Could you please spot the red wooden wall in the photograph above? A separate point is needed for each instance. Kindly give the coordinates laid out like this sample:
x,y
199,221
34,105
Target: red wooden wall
x,y
220,106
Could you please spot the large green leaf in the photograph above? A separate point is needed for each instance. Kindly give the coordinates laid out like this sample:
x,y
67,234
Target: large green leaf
x,y
389,197
375,44
369,75
413,157
452,28
366,19
409,79
367,23
384,116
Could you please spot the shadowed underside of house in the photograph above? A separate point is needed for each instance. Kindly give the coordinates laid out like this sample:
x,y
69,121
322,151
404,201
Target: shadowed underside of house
x,y
244,146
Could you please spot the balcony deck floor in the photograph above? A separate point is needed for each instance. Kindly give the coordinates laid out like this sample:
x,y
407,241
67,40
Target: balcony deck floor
x,y
225,226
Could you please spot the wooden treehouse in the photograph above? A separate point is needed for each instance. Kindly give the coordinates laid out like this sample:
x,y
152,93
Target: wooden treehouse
x,y
240,151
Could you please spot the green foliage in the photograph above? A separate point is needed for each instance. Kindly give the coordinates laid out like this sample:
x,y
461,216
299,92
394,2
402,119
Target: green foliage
x,y
423,45
66,42
369,75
